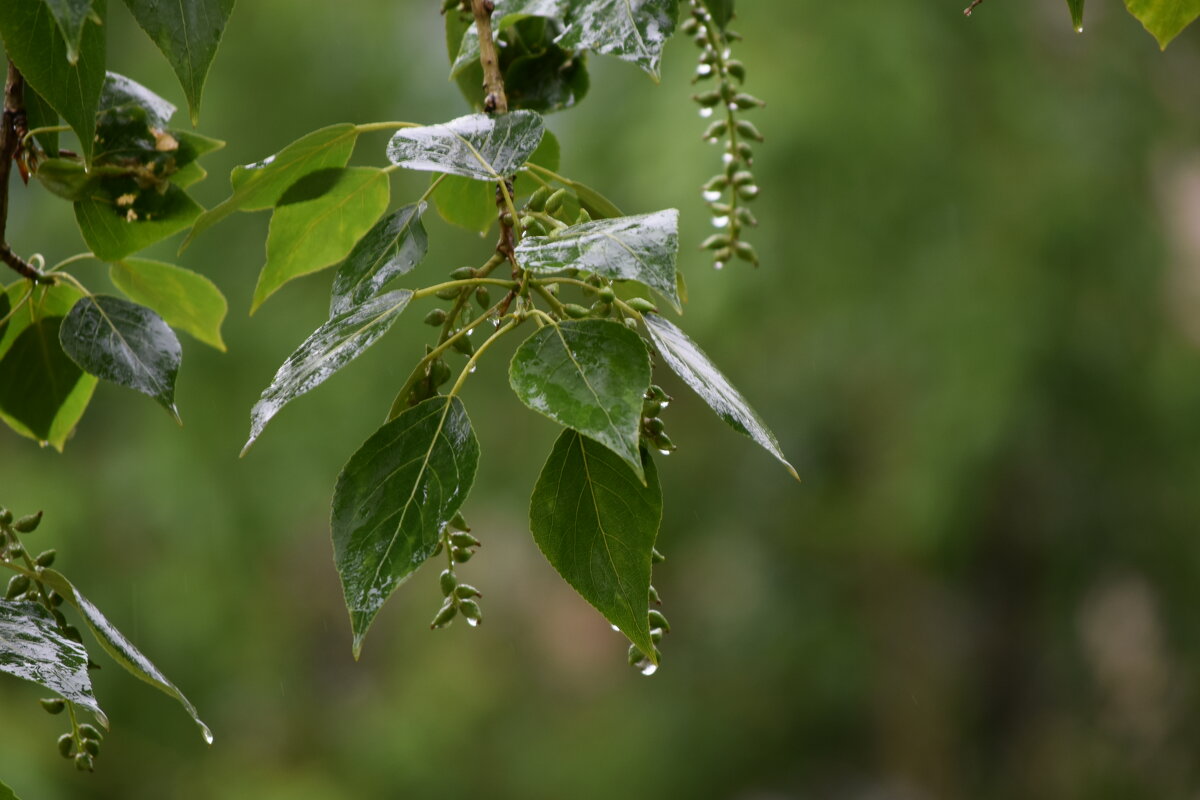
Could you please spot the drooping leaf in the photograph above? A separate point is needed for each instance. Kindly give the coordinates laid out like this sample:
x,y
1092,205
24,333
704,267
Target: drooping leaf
x,y
475,146
184,299
589,375
392,499
641,248
39,114
393,247
1164,18
260,185
124,343
548,79
1076,7
332,346
32,647
120,91
119,648
117,223
597,205
596,524
31,388
187,33
317,221
631,30
690,363
33,41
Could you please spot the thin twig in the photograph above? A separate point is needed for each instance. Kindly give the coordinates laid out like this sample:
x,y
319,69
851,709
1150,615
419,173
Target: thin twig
x,y
967,11
496,102
12,123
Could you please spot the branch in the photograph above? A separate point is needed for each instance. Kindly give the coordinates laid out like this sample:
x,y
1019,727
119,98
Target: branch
x,y
11,125
496,102
967,11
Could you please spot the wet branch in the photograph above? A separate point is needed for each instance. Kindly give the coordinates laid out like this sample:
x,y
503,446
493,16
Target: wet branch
x,y
12,127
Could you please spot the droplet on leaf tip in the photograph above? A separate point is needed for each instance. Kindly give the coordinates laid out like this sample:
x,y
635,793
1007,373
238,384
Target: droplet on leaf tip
x,y
649,668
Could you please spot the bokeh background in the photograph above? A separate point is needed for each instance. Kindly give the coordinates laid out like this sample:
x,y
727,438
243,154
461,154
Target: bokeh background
x,y
976,332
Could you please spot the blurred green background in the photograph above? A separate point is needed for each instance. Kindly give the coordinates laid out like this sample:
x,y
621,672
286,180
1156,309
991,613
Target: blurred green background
x,y
976,332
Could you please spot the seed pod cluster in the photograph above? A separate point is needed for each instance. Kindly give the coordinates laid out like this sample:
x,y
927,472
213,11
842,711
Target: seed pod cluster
x,y
458,598
658,628
653,429
727,192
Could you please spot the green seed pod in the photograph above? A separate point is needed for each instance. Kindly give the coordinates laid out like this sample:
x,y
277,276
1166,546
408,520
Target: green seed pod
x,y
654,598
461,555
745,251
630,323
707,99
15,550
748,192
506,220
438,549
28,523
601,309
72,633
656,635
606,294
651,408
720,209
6,516
45,558
723,255
471,610
458,523
690,26
448,581
537,201
575,311
716,130
444,615
53,705
641,304
17,586
664,443
716,183
55,598
657,620
91,746
435,317
84,762
715,242
554,202
464,539
736,68
583,217
656,557
483,297
463,345
746,217
449,293
89,732
744,101
635,656
465,591
439,372
654,427
463,273
742,177
655,392
745,152
66,743
747,129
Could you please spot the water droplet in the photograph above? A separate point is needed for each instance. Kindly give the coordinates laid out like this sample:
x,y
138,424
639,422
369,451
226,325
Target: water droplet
x,y
648,668
706,112
718,265
712,195
726,53
208,737
471,371
663,403
727,158
668,452
1079,29
472,622
704,69
733,106
720,222
470,332
615,628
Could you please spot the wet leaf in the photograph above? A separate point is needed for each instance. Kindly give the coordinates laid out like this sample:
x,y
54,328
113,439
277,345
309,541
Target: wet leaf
x,y
589,375
33,648
506,14
393,247
1076,7
317,221
332,346
641,248
476,146
119,648
120,91
631,30
1164,18
691,364
392,499
184,299
471,204
124,343
71,16
120,218
596,524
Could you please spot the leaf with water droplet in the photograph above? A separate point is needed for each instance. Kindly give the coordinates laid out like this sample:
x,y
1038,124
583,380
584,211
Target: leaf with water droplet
x,y
631,30
118,647
689,362
185,299
393,497
393,247
1164,19
1076,7
475,146
71,16
596,524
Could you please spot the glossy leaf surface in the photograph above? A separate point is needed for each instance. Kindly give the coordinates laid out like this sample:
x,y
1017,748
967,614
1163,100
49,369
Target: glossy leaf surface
x,y
317,221
596,524
120,91
33,648
187,33
34,42
392,499
70,16
332,346
261,184
1164,18
471,204
476,146
505,14
184,299
631,30
117,225
1076,8
690,363
119,648
589,375
641,248
124,343
393,247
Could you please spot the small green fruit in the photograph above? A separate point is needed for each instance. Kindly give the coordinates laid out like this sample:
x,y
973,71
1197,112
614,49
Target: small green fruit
x,y
435,317
445,614
448,581
641,305
28,524
17,586
53,705
66,743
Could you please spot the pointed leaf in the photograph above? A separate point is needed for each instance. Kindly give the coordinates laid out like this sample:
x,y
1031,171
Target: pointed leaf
x,y
589,375
393,247
690,363
184,299
33,41
596,524
475,146
641,248
1076,7
118,647
392,499
1164,18
317,221
187,33
260,185
125,343
332,346
32,647
631,30
117,223
70,16
471,204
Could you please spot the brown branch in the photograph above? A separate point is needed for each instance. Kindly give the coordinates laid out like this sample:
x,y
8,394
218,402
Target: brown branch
x,y
495,102
12,125
967,11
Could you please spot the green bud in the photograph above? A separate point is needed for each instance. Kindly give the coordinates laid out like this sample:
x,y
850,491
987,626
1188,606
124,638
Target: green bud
x,y
635,655
654,427
445,614
656,557
471,610
748,192
663,442
463,273
651,408
84,762
483,297
656,635
736,68
657,620
439,372
630,323
533,226
601,309
89,732
28,524
448,581
91,746
583,217
435,317
723,255
746,216
45,558
606,294
466,591
506,219
463,345
537,201
690,26
66,743
461,555
655,392
53,705
449,293
715,242
641,305
742,177
575,311
716,130
55,598
15,550
6,516
746,152
17,586
464,539
720,209
715,184
745,251
707,99
458,523
72,633
654,598
555,201
744,101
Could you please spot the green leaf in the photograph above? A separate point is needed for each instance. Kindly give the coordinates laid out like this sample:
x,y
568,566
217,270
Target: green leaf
x,y
184,299
121,91
471,204
187,33
393,247
641,248
118,647
548,79
317,221
70,16
124,343
506,14
1164,18
260,185
7,793
117,223
596,524
690,363
476,146
332,346
39,114
589,375
33,41
722,11
192,172
392,499
33,648
597,205
1076,7
38,390
631,30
